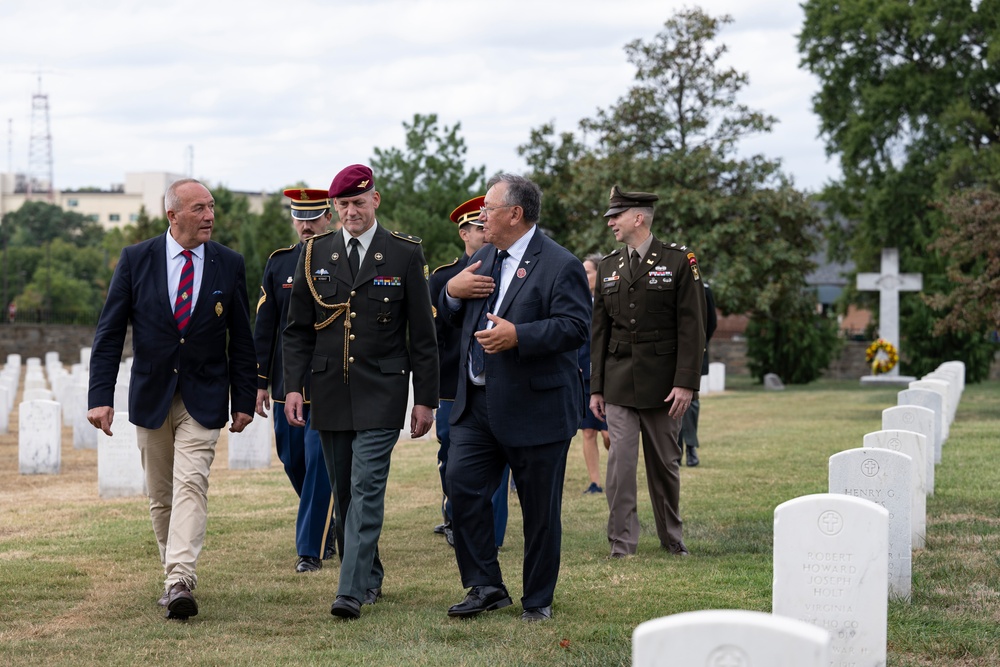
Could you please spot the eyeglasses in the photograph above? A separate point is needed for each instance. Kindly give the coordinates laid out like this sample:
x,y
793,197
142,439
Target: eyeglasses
x,y
486,210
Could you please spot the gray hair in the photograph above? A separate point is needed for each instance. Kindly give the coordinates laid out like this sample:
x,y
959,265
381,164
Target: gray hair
x,y
170,199
594,258
521,192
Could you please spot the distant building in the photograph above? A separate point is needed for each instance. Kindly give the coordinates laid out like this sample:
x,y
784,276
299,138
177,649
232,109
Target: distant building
x,y
115,207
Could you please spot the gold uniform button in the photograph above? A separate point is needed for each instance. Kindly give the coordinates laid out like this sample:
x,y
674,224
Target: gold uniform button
x,y
386,300
353,315
175,371
351,336
350,359
353,293
182,341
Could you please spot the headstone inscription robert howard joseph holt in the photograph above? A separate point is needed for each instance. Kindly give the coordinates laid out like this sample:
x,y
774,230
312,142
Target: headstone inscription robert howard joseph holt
x,y
831,569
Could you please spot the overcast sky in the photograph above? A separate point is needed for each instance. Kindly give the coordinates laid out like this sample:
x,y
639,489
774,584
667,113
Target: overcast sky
x,y
268,93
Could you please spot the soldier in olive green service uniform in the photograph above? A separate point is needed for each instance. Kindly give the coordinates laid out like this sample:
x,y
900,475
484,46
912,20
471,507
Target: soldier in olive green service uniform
x,y
359,323
647,341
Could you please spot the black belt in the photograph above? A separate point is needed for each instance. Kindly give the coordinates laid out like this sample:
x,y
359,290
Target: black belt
x,y
637,336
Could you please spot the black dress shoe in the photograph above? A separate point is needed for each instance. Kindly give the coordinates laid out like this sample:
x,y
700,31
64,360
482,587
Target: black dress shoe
x,y
372,595
441,528
449,536
678,549
537,614
346,607
480,599
308,564
180,602
693,459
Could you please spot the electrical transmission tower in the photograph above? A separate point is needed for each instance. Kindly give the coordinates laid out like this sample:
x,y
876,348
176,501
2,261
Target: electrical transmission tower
x,y
40,179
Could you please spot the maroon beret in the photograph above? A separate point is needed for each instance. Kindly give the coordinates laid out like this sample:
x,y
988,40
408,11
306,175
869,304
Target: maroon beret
x,y
354,180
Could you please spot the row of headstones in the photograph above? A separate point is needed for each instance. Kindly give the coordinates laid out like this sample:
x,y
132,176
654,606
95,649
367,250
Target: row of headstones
x,y
838,556
54,397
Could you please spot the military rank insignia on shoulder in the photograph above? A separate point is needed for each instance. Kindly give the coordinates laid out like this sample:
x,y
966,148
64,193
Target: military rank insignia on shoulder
x,y
281,250
614,252
445,266
407,237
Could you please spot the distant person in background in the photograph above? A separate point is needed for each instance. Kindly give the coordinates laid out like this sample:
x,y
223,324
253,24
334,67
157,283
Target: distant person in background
x,y
470,230
185,297
689,424
591,424
299,448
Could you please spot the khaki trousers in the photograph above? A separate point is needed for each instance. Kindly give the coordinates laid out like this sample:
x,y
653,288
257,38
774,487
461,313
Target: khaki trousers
x,y
661,454
176,459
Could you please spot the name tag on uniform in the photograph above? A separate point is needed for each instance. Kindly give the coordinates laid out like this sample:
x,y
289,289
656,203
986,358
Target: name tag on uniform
x,y
611,279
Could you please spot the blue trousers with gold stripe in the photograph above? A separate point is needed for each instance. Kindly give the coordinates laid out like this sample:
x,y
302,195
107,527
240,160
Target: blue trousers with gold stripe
x,y
301,453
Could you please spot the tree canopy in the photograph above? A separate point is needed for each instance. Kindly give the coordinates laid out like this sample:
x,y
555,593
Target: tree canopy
x,y
676,132
910,103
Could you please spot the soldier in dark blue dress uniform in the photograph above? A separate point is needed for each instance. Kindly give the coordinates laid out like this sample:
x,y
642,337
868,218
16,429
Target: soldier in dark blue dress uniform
x,y
298,448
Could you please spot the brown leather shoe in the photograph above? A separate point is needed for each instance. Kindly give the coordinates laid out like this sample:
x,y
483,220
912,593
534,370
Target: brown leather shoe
x,y
180,602
164,599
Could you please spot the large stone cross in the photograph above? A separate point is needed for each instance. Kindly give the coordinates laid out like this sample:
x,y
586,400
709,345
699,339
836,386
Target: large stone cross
x,y
889,283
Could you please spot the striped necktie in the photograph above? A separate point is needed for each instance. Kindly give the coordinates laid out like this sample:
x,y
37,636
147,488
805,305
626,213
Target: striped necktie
x,y
182,304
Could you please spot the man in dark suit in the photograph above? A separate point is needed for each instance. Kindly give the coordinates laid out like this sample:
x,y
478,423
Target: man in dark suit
x,y
524,308
646,350
186,299
298,448
470,229
359,321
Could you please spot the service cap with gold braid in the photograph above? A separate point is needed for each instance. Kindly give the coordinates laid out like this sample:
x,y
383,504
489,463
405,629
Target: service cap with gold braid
x,y
308,204
623,201
468,213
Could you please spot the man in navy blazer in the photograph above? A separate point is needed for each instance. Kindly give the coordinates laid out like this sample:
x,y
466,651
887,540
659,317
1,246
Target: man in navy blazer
x,y
523,304
193,356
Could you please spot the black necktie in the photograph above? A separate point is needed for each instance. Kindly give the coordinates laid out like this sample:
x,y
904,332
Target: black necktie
x,y
633,263
476,352
354,257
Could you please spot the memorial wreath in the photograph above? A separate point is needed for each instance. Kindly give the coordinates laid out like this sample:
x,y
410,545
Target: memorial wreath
x,y
880,363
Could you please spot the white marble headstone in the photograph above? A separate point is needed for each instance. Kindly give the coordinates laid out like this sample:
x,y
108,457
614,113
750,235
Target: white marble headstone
x,y
885,478
941,387
4,409
704,387
85,357
934,402
252,448
731,637
119,461
14,360
39,438
913,445
920,420
717,376
831,570
37,394
75,413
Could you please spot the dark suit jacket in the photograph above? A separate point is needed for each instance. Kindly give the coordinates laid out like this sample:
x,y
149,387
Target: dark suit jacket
x,y
211,365
391,334
534,390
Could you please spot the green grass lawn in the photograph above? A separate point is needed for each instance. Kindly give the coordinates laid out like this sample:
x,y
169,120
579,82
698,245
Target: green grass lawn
x,y
79,577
